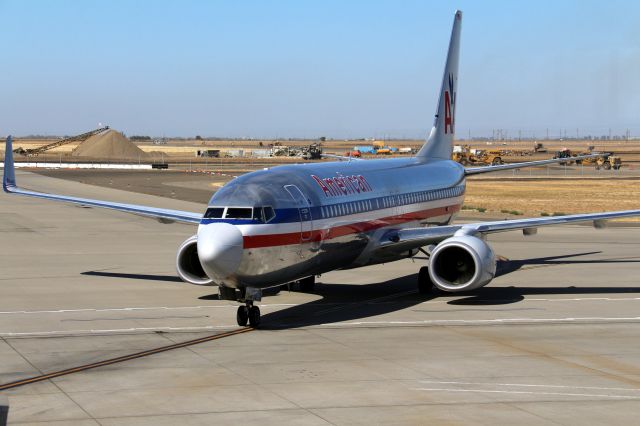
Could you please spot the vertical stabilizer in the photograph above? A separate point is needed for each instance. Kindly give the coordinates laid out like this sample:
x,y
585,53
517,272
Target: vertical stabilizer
x,y
440,141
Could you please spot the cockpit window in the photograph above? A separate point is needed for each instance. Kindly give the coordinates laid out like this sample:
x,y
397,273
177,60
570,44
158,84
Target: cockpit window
x,y
263,214
214,213
269,213
239,213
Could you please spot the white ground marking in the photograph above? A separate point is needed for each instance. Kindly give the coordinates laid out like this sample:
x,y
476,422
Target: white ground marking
x,y
529,385
532,299
495,321
232,306
114,331
591,395
151,308
491,321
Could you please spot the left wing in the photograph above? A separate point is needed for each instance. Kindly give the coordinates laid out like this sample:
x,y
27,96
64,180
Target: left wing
x,y
411,238
9,185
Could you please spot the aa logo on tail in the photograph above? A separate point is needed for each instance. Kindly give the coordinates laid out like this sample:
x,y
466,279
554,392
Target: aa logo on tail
x,y
449,107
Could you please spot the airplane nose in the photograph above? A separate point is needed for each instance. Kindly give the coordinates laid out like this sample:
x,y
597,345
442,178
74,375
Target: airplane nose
x,y
219,249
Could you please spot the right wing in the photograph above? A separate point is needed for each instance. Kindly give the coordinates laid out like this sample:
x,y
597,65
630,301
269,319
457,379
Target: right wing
x,y
401,240
487,169
9,185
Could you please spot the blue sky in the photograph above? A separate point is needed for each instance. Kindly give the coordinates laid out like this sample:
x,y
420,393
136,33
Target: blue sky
x,y
312,68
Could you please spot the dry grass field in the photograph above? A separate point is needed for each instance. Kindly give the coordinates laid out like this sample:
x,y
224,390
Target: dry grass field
x,y
535,197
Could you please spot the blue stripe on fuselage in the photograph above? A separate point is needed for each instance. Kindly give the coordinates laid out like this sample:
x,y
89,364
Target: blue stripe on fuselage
x,y
325,211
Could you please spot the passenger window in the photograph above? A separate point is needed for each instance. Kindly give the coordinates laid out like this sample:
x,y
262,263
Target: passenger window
x,y
214,213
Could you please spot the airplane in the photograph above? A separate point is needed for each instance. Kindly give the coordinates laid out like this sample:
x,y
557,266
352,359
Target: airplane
x,y
292,223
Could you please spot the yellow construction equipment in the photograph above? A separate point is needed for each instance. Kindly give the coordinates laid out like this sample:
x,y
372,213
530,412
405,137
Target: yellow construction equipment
x,y
464,155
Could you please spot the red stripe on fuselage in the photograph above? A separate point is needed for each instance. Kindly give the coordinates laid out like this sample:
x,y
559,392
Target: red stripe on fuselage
x,y
272,240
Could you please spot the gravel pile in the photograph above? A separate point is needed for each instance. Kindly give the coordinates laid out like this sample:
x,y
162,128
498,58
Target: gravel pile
x,y
111,145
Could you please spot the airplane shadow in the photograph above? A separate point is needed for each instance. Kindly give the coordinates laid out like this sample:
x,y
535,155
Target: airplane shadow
x,y
505,267
341,302
149,277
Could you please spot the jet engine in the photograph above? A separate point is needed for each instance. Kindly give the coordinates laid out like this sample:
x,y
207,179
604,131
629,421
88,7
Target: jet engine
x,y
188,264
462,263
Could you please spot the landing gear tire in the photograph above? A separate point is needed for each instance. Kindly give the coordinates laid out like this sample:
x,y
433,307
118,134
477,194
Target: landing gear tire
x,y
425,285
243,316
308,284
254,316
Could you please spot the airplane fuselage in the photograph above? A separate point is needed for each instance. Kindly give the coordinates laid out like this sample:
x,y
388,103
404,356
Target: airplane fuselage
x,y
306,219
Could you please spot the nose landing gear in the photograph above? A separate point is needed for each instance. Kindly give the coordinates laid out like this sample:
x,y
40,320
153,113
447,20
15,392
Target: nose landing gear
x,y
247,295
248,313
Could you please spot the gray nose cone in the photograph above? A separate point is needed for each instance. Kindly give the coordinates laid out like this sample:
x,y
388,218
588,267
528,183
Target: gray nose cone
x,y
219,249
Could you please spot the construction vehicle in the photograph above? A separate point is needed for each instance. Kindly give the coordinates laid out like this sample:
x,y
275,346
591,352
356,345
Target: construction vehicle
x,y
605,160
539,147
312,152
355,153
489,157
608,162
464,155
383,151
32,152
564,153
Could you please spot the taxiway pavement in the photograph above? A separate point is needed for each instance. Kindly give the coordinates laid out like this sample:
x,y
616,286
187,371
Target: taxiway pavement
x,y
556,339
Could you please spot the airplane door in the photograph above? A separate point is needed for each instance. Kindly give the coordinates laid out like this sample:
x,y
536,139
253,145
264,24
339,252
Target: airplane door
x,y
304,209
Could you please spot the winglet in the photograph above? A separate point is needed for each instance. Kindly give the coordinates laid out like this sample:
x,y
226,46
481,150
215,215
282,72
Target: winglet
x,y
439,144
9,177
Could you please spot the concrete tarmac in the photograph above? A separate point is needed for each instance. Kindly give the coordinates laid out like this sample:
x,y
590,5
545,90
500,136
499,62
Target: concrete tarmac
x,y
554,340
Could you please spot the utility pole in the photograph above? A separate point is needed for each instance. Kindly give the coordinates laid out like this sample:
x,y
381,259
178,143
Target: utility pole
x,y
547,133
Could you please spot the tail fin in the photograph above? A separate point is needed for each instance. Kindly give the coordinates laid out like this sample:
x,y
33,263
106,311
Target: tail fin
x,y
440,141
9,177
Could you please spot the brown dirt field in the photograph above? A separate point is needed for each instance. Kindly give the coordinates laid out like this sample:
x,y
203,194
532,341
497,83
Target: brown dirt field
x,y
533,197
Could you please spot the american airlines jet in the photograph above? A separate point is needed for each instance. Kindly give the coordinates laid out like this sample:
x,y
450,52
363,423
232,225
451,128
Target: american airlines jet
x,y
294,222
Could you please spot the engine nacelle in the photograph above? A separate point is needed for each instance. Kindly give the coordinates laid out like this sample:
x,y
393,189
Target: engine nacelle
x,y
462,263
188,264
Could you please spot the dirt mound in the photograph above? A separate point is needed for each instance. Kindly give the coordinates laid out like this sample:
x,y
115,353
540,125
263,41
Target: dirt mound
x,y
111,145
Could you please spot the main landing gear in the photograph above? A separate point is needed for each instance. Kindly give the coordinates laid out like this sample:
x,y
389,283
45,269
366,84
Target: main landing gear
x,y
305,285
248,313
425,285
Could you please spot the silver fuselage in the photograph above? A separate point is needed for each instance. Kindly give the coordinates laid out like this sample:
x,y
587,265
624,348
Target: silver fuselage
x,y
329,215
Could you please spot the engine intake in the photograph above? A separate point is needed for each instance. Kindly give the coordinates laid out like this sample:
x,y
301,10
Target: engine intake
x,y
462,263
188,264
